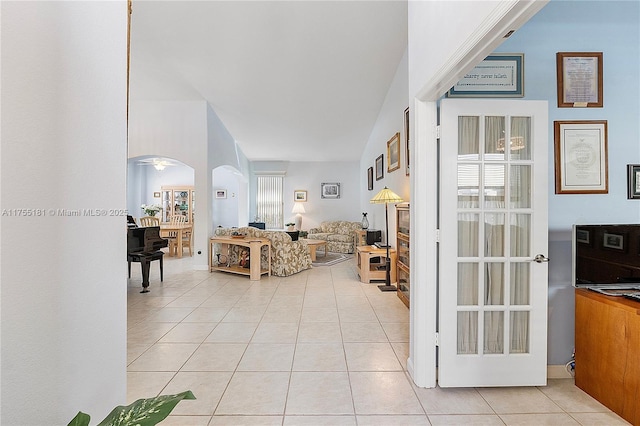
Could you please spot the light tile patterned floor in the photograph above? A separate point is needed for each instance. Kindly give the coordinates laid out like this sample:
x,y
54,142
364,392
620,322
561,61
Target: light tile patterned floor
x,y
316,348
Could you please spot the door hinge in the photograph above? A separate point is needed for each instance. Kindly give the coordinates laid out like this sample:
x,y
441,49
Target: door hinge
x,y
437,235
437,339
438,132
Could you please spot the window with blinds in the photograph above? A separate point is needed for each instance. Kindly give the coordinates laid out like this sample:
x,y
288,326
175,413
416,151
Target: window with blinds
x,y
270,201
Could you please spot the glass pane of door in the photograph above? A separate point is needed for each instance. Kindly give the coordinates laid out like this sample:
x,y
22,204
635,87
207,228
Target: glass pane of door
x,y
490,180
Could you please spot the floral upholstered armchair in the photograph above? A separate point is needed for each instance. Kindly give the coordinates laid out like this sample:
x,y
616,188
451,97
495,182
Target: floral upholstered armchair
x,y
287,257
340,235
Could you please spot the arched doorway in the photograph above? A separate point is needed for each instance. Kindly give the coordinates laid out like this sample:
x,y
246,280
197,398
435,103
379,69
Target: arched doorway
x,y
147,174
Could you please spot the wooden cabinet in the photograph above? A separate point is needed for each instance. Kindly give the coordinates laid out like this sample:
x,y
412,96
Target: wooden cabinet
x,y
178,200
607,340
403,226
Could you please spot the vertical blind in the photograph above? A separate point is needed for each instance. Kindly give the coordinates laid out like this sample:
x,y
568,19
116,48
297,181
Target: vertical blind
x,y
270,201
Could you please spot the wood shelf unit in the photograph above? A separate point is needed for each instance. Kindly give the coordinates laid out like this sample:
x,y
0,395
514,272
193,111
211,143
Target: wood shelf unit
x,y
255,271
235,269
403,238
607,342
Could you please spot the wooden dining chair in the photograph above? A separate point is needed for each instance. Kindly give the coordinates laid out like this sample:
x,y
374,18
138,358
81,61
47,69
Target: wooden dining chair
x,y
172,236
149,221
186,243
177,219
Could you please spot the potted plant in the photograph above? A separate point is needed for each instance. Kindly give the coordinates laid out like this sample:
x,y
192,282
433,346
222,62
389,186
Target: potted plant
x,y
151,209
143,412
290,226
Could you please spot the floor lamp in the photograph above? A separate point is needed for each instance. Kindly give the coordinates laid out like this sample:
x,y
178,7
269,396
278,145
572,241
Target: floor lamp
x,y
386,196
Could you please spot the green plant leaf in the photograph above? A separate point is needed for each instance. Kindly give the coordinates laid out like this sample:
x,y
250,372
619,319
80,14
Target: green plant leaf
x,y
145,412
81,419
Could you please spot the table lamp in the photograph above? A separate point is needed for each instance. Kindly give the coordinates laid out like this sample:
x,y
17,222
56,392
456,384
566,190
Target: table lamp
x,y
386,196
298,208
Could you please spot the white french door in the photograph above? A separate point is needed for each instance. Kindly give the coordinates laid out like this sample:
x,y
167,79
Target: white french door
x,y
493,243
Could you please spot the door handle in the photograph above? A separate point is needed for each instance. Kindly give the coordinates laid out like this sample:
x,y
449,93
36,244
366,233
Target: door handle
x,y
540,258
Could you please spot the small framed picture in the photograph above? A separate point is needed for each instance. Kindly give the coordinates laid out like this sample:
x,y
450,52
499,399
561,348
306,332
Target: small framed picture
x,y
221,193
633,181
393,153
380,167
370,178
330,190
613,241
156,195
299,195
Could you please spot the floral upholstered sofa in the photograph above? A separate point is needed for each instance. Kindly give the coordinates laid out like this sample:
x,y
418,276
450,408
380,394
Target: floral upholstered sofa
x,y
340,235
287,257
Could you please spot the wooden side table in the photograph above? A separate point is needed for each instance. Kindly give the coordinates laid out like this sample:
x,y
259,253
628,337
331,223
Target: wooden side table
x,y
376,270
314,245
253,244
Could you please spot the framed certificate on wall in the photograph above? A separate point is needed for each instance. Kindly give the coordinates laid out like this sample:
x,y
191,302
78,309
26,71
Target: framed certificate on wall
x,y
579,76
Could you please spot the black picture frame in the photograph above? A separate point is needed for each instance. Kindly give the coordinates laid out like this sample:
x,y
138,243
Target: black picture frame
x,y
330,190
370,178
633,181
380,167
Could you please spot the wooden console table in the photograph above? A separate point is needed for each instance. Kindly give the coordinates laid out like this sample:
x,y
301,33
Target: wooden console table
x,y
254,244
375,270
608,350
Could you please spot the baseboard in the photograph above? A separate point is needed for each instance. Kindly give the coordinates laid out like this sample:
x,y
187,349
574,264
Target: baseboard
x,y
558,372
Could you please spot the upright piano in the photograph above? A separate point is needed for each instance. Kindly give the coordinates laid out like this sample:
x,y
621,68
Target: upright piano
x,y
143,245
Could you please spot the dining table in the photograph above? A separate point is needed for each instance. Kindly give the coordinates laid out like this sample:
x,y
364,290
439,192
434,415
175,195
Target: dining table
x,y
176,230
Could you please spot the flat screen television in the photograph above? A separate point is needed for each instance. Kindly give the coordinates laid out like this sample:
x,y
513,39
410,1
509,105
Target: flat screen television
x,y
606,258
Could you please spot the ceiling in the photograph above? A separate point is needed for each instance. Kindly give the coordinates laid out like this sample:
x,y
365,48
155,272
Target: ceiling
x,y
290,80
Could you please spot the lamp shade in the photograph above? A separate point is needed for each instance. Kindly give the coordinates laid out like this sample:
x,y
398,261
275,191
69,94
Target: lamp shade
x,y
297,208
386,196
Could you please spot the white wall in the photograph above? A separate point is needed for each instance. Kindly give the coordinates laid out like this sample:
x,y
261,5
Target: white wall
x,y
308,176
192,133
225,210
177,130
390,120
63,306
